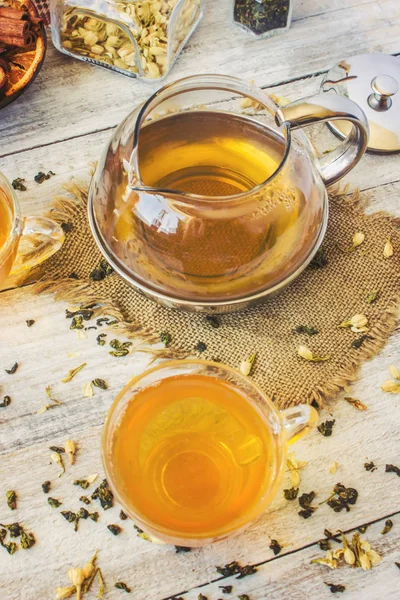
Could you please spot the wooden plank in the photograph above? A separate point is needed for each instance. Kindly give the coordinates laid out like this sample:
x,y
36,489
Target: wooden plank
x,y
25,438
46,113
292,576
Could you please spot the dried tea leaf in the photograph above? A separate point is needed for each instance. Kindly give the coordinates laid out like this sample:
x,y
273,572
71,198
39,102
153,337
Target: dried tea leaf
x,y
166,338
370,466
29,322
18,184
104,495
336,587
392,469
115,529
388,527
120,585
11,498
275,547
72,373
27,540
54,503
372,297
46,487
326,427
291,494
200,347
100,339
306,330
100,383
6,402
12,369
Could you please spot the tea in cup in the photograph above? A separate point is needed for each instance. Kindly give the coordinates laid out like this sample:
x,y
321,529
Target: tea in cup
x,y
194,451
24,241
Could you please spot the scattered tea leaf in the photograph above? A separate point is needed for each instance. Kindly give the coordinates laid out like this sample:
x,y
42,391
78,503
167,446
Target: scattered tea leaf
x,y
324,544
226,589
94,516
370,466
326,428
397,564
58,449
388,526
67,226
104,495
180,549
6,402
305,501
77,322
102,271
11,547
200,347
275,547
27,540
115,529
72,373
54,503
319,261
18,184
83,483
336,587
291,494
85,313
69,516
100,339
341,498
100,383
371,297
120,348
82,513
11,498
122,515
360,340
46,487
166,338
120,585
40,177
12,370
30,322
85,499
213,321
234,568
14,529
244,597
202,597
392,469
306,330
362,528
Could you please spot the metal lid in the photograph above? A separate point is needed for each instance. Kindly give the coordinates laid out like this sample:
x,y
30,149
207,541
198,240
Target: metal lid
x,y
372,81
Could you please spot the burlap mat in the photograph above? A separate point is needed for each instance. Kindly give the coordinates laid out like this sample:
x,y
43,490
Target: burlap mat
x,y
320,297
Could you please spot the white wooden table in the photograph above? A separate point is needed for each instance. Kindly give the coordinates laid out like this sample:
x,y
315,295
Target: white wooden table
x,y
60,124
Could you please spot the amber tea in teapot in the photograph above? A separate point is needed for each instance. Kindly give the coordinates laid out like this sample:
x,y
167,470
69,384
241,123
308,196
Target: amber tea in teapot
x,y
218,155
208,203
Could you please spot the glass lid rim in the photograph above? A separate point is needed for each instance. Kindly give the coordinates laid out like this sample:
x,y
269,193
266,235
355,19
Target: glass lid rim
x,y
214,82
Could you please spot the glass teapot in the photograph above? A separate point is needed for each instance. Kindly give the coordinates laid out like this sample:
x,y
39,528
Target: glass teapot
x,y
208,197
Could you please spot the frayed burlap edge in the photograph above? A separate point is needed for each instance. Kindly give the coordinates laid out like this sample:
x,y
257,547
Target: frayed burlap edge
x,y
65,208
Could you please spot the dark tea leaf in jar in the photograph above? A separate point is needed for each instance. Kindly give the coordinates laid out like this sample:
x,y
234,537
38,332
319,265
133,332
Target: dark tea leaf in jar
x,y
261,16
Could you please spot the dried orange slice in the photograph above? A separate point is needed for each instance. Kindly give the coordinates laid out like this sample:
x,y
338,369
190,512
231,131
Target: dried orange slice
x,y
24,64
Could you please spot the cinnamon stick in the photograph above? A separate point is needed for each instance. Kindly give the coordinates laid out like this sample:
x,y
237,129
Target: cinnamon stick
x,y
12,27
20,41
13,13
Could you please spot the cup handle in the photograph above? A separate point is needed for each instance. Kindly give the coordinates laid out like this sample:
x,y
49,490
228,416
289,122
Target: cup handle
x,y
298,421
41,238
329,107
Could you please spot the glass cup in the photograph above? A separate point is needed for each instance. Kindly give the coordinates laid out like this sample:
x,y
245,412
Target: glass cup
x,y
25,241
281,429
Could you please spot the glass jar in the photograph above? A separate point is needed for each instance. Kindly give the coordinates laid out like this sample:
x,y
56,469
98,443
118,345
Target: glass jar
x,y
263,18
139,39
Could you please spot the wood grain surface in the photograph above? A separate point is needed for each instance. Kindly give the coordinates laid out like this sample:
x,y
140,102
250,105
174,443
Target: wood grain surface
x,y
61,124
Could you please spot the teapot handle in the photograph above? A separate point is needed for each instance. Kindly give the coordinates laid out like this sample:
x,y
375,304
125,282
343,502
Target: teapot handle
x,y
329,107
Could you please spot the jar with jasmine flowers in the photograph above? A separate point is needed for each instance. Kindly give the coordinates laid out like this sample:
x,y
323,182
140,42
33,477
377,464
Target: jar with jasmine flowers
x,y
139,39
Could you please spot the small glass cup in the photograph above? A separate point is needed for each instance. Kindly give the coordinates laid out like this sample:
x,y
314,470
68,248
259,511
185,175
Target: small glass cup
x,y
30,240
284,427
